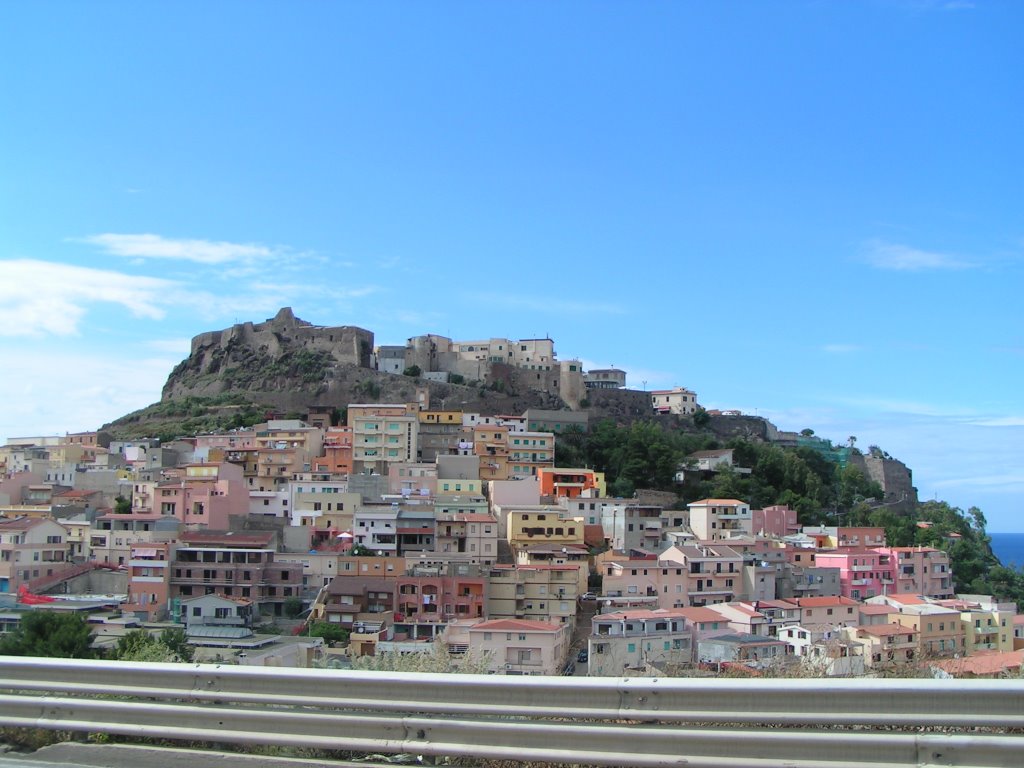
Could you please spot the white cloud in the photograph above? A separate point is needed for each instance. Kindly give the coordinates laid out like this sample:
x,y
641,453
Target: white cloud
x,y
148,246
180,346
998,421
1004,481
83,392
546,304
840,349
903,258
40,297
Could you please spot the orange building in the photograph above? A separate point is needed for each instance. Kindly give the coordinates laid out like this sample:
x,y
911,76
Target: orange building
x,y
570,483
337,449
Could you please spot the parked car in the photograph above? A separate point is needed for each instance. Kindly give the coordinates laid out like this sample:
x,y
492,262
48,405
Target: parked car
x,y
570,669
582,656
588,596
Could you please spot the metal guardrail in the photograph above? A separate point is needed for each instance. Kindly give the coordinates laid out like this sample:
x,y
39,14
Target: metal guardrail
x,y
699,723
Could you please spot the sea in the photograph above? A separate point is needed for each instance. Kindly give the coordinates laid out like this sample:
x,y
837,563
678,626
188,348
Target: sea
x,y
1009,548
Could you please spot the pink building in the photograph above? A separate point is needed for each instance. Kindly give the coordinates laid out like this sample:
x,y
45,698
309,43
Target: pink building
x,y
425,602
863,573
203,495
861,537
920,571
149,579
776,521
648,583
833,611
519,647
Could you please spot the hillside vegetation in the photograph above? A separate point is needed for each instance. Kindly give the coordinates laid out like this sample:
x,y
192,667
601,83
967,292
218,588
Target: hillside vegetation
x,y
644,455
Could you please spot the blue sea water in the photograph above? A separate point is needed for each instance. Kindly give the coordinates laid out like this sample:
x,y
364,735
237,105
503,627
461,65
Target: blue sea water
x,y
1009,548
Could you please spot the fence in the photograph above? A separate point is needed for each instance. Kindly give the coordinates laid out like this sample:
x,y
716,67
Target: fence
x,y
699,723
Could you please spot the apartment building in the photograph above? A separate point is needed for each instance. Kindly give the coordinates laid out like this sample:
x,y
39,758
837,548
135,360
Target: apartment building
x,y
776,521
758,617
534,592
938,629
321,500
199,495
528,452
718,519
988,624
283,448
863,573
527,528
112,536
428,597
413,479
490,443
234,564
830,611
921,571
548,554
337,451
639,641
473,535
375,526
714,572
440,433
571,482
885,644
521,646
382,434
29,548
360,602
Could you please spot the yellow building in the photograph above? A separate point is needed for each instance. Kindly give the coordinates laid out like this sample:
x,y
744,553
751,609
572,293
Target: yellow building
x,y
490,443
382,434
534,592
440,417
530,528
987,624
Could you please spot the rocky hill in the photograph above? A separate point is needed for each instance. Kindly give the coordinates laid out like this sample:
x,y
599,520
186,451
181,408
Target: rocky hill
x,y
285,365
237,376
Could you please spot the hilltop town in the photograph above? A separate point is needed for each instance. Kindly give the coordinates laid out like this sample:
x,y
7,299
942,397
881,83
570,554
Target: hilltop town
x,y
396,502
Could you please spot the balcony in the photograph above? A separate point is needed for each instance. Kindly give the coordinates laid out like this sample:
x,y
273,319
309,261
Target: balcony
x,y
222,621
862,568
801,585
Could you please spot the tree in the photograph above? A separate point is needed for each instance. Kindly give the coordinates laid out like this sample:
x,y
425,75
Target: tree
x,y
807,432
293,607
122,506
436,659
331,633
46,633
177,641
171,645
413,370
701,418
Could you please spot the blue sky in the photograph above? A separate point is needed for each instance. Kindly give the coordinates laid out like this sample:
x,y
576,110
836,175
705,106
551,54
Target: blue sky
x,y
809,210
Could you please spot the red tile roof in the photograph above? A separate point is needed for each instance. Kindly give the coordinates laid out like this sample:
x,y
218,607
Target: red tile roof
x,y
515,625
